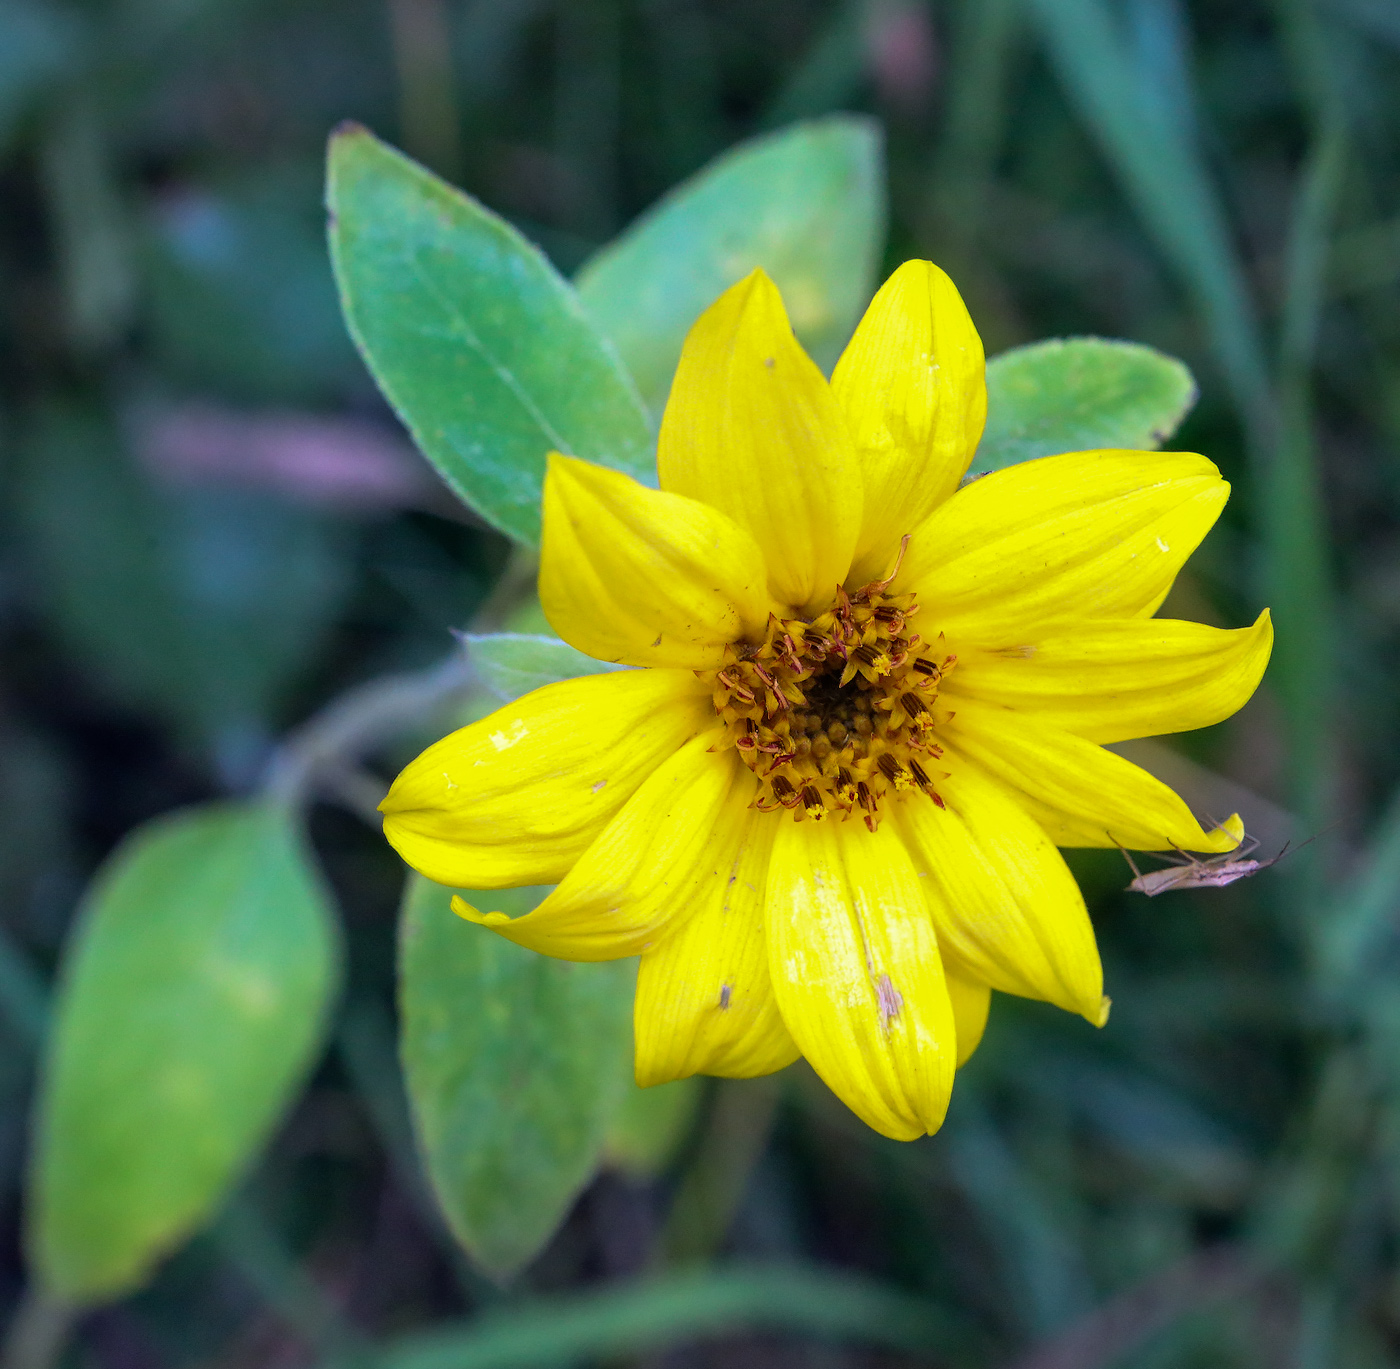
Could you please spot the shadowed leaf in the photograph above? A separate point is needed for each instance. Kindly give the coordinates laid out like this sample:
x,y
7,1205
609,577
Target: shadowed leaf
x,y
516,1064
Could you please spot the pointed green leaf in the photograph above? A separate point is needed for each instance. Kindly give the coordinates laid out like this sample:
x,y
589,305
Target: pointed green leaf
x,y
193,1000
807,204
479,344
1078,394
515,1065
510,664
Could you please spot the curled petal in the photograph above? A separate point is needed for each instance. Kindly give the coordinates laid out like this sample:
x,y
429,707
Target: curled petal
x,y
517,797
1109,681
856,968
646,578
751,428
1079,793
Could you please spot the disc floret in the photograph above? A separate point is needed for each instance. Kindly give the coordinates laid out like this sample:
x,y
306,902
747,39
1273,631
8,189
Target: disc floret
x,y
836,713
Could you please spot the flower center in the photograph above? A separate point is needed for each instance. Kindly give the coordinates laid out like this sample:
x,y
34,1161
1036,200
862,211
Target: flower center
x,y
836,714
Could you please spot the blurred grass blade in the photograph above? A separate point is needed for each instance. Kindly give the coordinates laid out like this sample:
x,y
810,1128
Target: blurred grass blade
x,y
650,1125
1294,501
202,603
1158,32
24,996
510,664
91,223
669,1310
807,204
194,998
238,295
1379,18
1078,394
1043,1267
1163,173
428,106
37,40
515,1064
831,73
736,1133
479,344
984,43
1352,942
254,1249
1165,178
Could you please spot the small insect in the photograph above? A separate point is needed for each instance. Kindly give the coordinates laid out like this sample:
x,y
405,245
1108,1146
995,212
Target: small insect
x,y
1191,872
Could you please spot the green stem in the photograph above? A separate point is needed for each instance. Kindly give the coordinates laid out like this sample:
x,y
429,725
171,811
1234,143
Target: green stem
x,y
357,721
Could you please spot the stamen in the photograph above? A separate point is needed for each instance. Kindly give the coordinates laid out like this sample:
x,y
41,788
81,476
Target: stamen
x,y
879,586
835,714
894,771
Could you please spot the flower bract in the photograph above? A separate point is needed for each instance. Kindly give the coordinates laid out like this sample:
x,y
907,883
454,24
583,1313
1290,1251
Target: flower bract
x,y
870,702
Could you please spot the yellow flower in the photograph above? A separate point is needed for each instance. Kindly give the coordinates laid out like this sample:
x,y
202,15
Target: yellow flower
x,y
872,703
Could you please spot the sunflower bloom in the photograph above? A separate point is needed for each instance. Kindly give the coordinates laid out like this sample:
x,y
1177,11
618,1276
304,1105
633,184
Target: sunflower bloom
x,y
870,704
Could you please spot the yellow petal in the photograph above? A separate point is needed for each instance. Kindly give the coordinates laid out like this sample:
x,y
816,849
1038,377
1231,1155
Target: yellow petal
x,y
856,968
657,859
1007,909
1079,793
1109,681
518,797
704,1001
751,428
1083,535
911,384
635,575
971,1000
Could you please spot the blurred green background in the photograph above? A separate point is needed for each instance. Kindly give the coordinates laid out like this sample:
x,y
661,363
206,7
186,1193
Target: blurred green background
x,y
211,526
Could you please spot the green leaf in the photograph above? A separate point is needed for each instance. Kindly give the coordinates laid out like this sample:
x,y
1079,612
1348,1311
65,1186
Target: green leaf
x,y
510,664
193,1000
480,345
807,204
1078,394
515,1065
